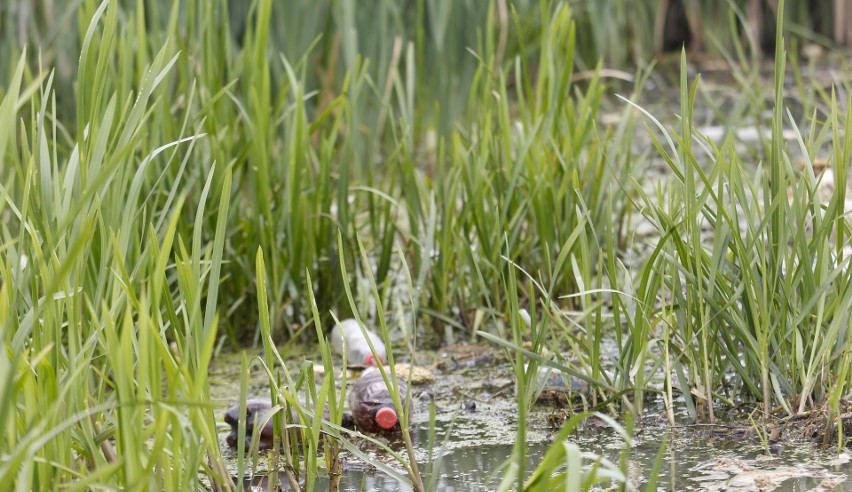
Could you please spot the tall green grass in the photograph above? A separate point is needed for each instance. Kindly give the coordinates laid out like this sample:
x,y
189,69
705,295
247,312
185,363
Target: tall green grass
x,y
95,394
193,179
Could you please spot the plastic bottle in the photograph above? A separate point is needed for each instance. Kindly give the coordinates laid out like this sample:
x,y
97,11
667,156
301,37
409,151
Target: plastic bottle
x,y
358,352
256,409
372,407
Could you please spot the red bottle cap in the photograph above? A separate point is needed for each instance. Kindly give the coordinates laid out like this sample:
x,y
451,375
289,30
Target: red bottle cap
x,y
386,418
370,361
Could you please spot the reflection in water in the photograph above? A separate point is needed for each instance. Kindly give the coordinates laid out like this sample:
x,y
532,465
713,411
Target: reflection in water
x,y
691,464
470,469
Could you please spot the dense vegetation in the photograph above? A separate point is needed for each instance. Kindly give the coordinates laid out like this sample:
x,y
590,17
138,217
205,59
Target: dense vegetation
x,y
175,175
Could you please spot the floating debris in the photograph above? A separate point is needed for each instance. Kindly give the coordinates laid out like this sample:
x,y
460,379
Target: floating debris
x,y
460,356
730,473
414,374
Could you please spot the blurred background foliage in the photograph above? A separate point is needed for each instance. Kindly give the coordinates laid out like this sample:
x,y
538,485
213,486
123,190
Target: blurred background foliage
x,y
336,33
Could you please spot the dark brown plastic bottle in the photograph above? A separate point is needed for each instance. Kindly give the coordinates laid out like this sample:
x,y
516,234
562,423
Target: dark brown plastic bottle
x,y
256,408
372,407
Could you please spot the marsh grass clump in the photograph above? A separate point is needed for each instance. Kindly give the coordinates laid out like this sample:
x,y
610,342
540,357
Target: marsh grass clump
x,y
764,295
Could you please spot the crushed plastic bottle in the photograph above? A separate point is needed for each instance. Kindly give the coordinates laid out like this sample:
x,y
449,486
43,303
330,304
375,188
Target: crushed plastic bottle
x,y
256,409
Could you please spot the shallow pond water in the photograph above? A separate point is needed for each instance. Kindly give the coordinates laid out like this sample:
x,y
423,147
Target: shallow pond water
x,y
476,422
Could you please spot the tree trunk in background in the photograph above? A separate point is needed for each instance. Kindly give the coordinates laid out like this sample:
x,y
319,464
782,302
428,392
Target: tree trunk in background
x,y
660,25
755,21
693,19
842,23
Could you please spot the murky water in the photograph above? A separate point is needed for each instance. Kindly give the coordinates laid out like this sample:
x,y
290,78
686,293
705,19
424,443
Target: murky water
x,y
476,424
